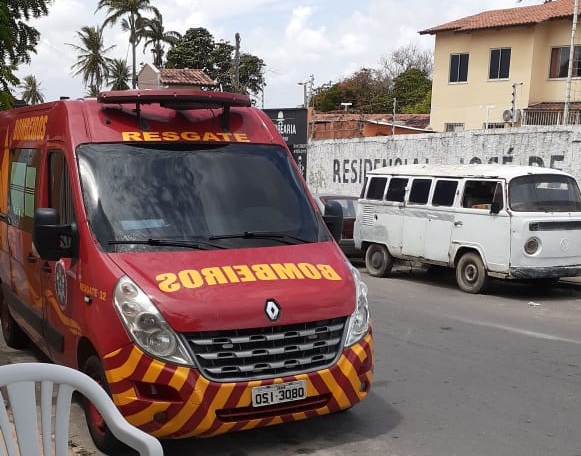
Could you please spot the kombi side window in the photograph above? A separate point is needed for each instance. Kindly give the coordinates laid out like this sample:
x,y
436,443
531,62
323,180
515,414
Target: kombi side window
x,y
420,191
444,193
24,164
376,188
479,194
396,189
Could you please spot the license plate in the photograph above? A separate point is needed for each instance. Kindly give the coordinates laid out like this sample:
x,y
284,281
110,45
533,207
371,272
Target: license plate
x,y
277,394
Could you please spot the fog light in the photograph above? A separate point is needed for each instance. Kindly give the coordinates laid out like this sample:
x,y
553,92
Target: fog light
x,y
363,387
532,246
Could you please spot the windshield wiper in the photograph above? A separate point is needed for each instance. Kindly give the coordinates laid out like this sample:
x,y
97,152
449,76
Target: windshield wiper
x,y
198,245
271,235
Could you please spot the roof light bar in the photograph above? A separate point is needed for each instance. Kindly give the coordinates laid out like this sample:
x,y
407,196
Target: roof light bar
x,y
176,99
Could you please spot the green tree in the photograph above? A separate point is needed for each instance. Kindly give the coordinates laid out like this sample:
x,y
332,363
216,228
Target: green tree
x,y
368,91
92,62
119,75
31,93
155,36
197,49
17,41
130,14
410,89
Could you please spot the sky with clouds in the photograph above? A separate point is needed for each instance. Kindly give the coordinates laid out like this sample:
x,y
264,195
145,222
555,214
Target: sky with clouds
x,y
329,39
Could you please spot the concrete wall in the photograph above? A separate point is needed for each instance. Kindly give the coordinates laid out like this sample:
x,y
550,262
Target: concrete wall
x,y
340,166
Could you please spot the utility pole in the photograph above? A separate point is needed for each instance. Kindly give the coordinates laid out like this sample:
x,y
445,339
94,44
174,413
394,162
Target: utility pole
x,y
237,63
393,118
570,68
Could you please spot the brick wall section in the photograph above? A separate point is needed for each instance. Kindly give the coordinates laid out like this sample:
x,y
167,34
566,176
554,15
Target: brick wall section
x,y
339,166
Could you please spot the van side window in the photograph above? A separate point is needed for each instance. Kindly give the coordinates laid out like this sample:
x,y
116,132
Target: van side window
x,y
376,188
60,196
420,191
479,194
24,164
396,189
444,193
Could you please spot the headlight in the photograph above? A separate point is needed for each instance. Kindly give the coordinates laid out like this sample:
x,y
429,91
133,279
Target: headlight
x,y
145,325
359,320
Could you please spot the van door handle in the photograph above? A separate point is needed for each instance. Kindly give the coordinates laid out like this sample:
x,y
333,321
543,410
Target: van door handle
x,y
458,223
45,267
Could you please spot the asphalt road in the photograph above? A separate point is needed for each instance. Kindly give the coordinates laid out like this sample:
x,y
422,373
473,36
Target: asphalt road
x,y
455,374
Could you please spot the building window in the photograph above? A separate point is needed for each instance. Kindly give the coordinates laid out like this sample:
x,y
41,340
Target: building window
x,y
499,63
560,62
459,68
452,127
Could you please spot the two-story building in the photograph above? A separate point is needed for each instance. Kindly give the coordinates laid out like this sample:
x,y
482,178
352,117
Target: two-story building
x,y
506,67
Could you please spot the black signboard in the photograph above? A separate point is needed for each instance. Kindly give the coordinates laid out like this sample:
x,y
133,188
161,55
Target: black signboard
x,y
292,125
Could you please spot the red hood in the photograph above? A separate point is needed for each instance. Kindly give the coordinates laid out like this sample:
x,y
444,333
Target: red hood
x,y
228,289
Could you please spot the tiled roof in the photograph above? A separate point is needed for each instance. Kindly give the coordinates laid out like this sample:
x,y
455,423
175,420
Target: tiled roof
x,y
420,121
184,77
554,106
526,15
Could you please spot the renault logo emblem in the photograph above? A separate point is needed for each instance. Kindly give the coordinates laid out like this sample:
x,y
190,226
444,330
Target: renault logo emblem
x,y
272,310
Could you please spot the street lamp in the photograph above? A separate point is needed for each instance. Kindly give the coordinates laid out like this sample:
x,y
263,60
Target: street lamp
x,y
304,84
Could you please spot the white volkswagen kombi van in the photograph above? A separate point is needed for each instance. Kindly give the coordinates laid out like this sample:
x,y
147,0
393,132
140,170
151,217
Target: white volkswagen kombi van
x,y
503,221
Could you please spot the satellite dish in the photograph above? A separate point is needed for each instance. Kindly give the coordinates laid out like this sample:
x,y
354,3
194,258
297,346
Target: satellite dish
x,y
507,115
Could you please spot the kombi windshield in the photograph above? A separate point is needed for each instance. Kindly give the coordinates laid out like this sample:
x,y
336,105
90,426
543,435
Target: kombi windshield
x,y
544,193
151,197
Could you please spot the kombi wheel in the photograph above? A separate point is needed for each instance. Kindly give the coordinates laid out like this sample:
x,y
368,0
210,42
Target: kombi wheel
x,y
102,437
470,273
378,260
14,336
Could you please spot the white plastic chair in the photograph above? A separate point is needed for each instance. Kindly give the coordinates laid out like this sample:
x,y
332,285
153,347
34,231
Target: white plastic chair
x,y
21,380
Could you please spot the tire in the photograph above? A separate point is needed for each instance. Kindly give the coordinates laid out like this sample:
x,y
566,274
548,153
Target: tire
x,y
14,336
378,260
102,437
470,274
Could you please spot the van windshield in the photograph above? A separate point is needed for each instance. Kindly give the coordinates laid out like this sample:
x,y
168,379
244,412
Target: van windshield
x,y
151,197
544,193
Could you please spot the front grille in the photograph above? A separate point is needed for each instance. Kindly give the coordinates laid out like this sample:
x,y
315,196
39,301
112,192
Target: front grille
x,y
274,351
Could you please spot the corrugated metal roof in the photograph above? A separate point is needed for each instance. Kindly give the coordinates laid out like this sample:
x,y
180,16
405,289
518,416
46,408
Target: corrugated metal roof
x,y
511,17
185,77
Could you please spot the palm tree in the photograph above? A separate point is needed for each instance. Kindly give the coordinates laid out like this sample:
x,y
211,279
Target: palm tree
x,y
155,35
92,63
129,12
31,93
119,75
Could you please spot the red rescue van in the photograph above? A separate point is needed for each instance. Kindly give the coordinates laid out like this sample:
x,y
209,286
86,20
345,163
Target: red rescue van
x,y
165,243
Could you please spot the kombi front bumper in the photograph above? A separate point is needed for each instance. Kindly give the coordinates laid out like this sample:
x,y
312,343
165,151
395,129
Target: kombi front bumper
x,y
544,272
169,401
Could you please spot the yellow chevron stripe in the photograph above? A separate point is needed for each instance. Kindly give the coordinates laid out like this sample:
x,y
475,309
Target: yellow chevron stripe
x,y
179,378
124,398
218,403
186,412
342,400
146,416
153,371
125,371
112,354
349,372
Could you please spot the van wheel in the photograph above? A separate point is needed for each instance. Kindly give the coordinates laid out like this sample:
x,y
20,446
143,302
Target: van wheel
x,y
102,437
14,336
378,260
471,274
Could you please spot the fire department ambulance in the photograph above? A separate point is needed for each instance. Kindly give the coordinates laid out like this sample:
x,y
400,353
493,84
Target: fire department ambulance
x,y
165,243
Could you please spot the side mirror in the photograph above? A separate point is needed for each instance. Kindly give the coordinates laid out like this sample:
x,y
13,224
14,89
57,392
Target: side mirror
x,y
51,240
333,217
494,207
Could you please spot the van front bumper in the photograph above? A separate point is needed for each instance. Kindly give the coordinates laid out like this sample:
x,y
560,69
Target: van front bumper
x,y
545,272
169,401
